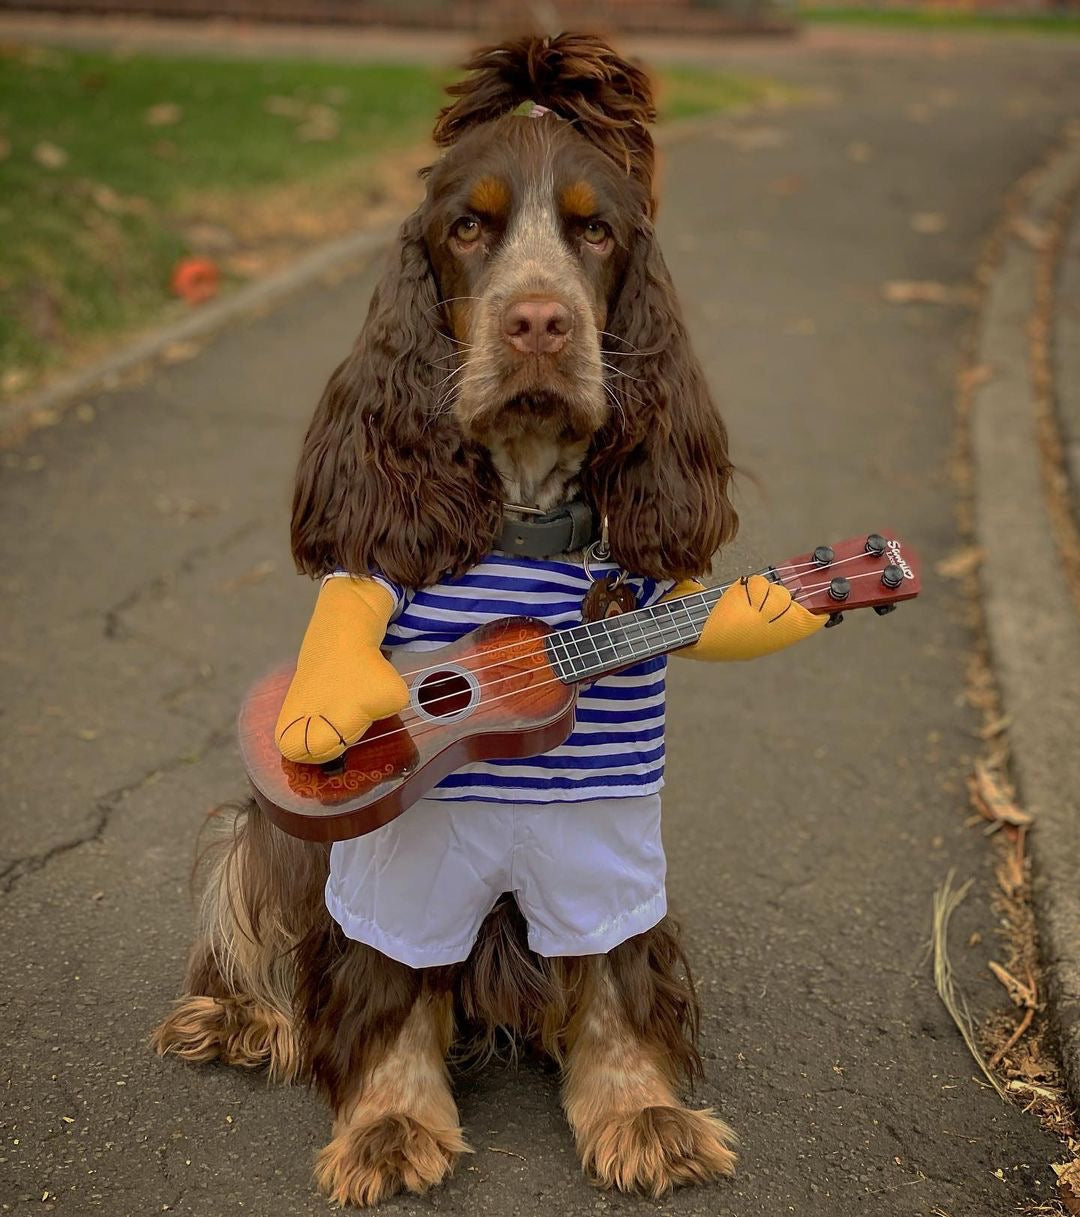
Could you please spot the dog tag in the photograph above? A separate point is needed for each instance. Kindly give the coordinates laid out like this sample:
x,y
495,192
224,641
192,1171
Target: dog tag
x,y
607,597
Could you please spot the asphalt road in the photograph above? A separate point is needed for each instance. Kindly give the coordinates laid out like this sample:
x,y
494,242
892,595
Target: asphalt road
x,y
814,801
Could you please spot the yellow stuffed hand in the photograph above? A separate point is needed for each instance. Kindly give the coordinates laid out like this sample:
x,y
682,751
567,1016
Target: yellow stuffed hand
x,y
753,617
342,683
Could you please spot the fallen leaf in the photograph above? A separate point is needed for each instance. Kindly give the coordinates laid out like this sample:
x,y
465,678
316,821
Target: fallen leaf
x,y
14,379
994,727
164,114
977,374
49,156
859,153
916,291
87,733
960,563
285,107
928,223
320,123
107,199
1068,1181
256,574
85,412
1036,236
785,186
990,798
179,352
1019,993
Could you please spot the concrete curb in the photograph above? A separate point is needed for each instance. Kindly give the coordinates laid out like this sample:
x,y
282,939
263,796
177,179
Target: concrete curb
x,y
1032,624
342,256
1067,353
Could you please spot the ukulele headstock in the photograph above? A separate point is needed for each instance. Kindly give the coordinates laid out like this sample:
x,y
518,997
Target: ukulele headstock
x,y
875,571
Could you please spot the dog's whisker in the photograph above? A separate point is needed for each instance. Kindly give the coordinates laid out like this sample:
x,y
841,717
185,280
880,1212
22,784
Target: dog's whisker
x,y
448,300
619,371
634,349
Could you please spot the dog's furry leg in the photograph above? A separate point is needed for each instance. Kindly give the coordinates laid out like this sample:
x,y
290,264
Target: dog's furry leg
x,y
631,1038
379,1036
262,894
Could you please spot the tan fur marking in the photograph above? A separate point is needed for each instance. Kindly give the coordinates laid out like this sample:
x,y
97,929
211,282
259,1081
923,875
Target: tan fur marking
x,y
241,970
578,200
399,1130
631,1131
490,196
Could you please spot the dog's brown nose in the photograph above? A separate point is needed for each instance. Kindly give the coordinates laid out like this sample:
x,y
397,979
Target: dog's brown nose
x,y
537,327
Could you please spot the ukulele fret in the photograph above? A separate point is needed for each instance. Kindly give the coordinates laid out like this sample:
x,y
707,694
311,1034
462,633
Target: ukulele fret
x,y
632,637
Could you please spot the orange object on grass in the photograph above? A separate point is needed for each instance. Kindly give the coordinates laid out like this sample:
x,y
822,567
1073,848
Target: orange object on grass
x,y
195,279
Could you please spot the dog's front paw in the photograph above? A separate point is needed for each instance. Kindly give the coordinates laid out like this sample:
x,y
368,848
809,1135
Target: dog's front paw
x,y
658,1148
370,1162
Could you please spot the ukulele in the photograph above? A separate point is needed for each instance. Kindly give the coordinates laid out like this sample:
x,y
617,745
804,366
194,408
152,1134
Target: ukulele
x,y
508,689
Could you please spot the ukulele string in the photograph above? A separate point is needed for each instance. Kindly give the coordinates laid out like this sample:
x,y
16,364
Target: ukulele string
x,y
699,596
488,701
662,634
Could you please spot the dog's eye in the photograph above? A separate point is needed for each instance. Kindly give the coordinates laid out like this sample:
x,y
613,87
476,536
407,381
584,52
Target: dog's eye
x,y
467,230
595,232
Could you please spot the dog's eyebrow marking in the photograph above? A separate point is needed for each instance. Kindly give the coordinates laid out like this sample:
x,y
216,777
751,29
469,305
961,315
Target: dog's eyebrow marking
x,y
490,196
578,199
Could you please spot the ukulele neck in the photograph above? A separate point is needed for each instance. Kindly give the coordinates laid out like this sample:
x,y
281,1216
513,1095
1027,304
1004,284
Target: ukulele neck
x,y
876,571
587,651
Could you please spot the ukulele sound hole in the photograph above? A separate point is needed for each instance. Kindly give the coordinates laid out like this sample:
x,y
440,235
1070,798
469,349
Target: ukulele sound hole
x,y
447,693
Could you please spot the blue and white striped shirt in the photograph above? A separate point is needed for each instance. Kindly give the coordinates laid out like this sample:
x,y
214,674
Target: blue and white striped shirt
x,y
617,745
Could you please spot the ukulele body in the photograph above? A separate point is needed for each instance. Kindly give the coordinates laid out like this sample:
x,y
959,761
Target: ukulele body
x,y
492,694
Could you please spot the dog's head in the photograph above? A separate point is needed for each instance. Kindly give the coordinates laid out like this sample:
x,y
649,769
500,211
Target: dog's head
x,y
526,306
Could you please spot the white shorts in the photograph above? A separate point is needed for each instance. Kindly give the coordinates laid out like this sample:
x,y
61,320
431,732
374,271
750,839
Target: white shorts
x,y
586,876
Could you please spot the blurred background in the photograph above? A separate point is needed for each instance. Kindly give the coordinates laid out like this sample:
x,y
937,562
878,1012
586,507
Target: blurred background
x,y
156,151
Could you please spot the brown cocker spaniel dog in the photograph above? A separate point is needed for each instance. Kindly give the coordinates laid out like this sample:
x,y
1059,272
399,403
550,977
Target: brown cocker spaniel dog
x,y
526,346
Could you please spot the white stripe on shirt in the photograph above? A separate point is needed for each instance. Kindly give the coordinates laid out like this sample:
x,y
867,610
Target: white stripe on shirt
x,y
617,746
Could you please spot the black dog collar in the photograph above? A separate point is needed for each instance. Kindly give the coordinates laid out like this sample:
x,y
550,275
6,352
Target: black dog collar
x,y
563,530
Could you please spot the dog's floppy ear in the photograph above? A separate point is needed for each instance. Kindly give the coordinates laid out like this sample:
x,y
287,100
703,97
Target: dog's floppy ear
x,y
660,469
577,76
386,481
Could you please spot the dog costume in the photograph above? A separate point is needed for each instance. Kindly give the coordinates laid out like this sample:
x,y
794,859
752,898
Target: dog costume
x,y
573,834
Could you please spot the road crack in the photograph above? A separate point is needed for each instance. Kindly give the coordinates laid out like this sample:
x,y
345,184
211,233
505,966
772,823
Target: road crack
x,y
104,808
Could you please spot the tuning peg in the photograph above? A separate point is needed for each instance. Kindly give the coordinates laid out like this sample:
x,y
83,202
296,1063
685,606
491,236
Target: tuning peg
x,y
875,544
883,609
834,619
839,588
823,555
892,575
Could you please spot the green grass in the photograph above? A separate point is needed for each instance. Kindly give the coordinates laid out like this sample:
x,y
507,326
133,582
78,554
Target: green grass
x,y
690,92
1061,24
87,246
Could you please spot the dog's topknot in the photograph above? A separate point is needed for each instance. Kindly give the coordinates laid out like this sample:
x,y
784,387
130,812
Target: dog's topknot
x,y
578,77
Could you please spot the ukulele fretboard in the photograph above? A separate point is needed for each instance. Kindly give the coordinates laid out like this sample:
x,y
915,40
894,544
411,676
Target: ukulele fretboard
x,y
584,652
